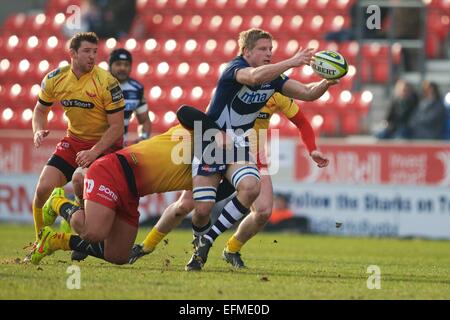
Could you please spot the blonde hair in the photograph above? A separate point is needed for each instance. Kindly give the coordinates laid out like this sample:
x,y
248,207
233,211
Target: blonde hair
x,y
248,38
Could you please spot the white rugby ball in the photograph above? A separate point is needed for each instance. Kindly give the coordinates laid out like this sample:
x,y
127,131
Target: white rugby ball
x,y
329,64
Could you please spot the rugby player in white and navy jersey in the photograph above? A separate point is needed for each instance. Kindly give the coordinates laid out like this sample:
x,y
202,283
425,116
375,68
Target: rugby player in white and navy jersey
x,y
120,61
244,87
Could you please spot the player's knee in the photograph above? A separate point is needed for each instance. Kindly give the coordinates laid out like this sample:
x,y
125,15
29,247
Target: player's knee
x,y
43,190
78,180
249,188
203,208
262,215
115,259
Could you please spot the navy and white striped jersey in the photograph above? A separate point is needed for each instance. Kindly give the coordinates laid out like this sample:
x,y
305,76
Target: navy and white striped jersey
x,y
133,92
236,106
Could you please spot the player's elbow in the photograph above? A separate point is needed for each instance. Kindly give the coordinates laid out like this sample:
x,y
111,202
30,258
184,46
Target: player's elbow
x,y
256,80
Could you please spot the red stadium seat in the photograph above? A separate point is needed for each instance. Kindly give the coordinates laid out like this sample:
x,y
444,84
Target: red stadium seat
x,y
380,71
340,6
163,71
6,70
228,48
313,26
299,5
170,50
273,24
192,24
374,51
232,25
8,117
213,23
13,45
330,123
438,22
350,122
276,6
333,23
293,25
14,24
433,46
349,50
318,5
60,5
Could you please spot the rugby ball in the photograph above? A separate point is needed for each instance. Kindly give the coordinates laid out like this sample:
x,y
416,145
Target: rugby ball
x,y
329,64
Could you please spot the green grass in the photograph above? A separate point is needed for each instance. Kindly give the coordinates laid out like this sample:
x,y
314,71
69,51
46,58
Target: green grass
x,y
280,266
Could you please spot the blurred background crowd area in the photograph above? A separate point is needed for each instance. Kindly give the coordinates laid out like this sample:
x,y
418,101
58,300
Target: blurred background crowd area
x,y
180,47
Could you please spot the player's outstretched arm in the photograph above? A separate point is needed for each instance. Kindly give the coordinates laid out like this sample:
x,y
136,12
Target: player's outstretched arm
x,y
266,73
306,92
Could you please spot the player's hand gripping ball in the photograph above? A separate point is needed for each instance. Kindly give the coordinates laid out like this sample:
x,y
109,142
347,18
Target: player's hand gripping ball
x,y
330,64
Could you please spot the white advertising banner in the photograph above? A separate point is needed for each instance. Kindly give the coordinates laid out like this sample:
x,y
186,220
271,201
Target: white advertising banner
x,y
376,210
16,195
370,210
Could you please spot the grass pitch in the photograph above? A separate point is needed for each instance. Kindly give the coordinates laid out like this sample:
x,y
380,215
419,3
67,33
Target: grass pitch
x,y
280,266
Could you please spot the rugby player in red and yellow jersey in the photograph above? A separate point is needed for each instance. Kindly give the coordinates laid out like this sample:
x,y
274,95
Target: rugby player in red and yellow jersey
x,y
262,207
107,225
93,103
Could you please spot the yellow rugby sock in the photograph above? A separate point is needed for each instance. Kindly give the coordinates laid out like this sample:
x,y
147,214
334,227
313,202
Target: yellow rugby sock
x,y
153,238
60,241
57,203
234,245
38,220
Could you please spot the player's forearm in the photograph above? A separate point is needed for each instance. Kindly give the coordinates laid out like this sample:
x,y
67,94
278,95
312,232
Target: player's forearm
x,y
306,131
316,89
269,72
114,133
39,121
145,129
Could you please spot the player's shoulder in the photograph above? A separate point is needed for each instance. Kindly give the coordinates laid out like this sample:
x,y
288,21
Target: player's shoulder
x,y
106,78
238,61
104,75
57,73
233,65
136,84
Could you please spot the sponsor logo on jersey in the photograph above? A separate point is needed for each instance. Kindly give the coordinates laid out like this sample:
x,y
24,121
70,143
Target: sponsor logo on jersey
x,y
116,93
53,73
63,145
108,192
88,185
249,96
74,103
